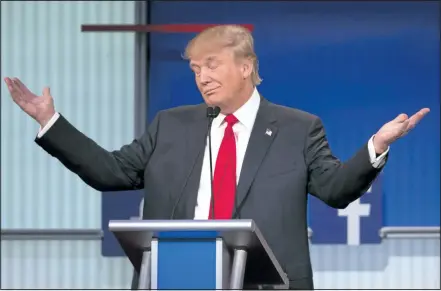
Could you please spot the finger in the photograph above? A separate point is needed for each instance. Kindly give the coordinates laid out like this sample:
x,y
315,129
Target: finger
x,y
13,88
16,86
401,118
9,83
46,91
416,118
402,129
15,93
22,87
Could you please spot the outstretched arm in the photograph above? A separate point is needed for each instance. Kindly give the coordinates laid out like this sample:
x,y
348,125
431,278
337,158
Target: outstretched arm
x,y
337,183
332,181
99,168
103,170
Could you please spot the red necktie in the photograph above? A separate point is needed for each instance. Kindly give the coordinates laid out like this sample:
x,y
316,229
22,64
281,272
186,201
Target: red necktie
x,y
224,181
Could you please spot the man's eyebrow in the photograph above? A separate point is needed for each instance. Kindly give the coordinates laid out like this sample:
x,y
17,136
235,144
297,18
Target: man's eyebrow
x,y
211,59
192,65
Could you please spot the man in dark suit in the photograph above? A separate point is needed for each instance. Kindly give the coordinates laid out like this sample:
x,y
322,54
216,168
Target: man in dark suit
x,y
266,157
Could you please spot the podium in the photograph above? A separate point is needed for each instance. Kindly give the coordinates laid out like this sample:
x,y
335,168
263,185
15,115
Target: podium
x,y
199,254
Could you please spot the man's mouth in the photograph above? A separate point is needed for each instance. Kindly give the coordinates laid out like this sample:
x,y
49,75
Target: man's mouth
x,y
209,92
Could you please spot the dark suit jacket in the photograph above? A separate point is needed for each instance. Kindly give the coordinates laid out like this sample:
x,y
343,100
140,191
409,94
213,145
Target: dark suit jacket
x,y
277,174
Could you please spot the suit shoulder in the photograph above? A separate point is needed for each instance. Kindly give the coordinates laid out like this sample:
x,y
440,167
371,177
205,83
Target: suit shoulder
x,y
184,111
285,113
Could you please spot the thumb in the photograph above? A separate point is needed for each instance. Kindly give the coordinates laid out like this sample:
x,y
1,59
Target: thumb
x,y
46,91
401,118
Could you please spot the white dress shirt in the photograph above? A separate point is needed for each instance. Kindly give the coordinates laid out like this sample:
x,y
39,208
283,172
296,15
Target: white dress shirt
x,y
242,130
246,115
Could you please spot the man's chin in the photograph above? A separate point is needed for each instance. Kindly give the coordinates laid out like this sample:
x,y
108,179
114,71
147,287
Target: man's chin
x,y
213,100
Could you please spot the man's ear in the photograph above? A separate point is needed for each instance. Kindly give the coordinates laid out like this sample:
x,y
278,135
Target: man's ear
x,y
247,68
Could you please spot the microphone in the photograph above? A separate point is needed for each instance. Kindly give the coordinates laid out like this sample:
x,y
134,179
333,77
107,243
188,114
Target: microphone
x,y
212,113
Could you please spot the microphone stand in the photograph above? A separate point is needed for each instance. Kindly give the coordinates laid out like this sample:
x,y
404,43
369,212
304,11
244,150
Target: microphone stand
x,y
212,113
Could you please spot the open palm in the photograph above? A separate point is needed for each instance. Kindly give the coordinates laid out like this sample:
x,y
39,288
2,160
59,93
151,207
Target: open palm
x,y
397,128
41,108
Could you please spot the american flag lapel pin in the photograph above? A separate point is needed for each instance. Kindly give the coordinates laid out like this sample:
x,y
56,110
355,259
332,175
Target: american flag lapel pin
x,y
268,132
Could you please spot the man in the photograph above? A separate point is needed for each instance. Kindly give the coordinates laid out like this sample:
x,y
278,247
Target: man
x,y
266,157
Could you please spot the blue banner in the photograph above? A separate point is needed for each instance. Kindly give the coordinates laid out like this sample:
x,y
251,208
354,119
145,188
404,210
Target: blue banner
x,y
359,223
118,206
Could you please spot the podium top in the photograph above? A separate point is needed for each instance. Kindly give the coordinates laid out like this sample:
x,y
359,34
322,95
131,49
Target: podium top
x,y
237,234
182,225
242,233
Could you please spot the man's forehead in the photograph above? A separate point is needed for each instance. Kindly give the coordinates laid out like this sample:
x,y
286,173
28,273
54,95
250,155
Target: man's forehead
x,y
208,54
204,58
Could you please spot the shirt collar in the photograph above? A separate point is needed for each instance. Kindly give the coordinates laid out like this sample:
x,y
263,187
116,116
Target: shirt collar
x,y
245,114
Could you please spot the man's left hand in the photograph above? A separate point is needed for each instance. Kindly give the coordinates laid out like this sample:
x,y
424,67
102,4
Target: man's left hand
x,y
396,129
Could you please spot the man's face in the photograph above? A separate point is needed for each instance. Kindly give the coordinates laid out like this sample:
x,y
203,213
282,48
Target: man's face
x,y
218,75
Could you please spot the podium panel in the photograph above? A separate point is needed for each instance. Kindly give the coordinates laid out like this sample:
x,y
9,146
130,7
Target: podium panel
x,y
187,257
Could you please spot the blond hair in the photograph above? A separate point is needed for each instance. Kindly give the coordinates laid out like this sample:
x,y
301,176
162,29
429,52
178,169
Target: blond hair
x,y
236,37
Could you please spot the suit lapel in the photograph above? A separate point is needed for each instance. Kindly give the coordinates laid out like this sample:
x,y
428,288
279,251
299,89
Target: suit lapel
x,y
195,141
262,136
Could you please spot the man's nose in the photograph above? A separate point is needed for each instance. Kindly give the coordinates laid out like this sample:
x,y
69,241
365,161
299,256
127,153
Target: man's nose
x,y
204,77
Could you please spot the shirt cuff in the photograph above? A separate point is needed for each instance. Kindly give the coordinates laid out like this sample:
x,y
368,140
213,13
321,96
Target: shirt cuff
x,y
377,162
48,125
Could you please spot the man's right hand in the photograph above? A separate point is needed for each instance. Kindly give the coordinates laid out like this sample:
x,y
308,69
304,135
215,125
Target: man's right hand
x,y
41,108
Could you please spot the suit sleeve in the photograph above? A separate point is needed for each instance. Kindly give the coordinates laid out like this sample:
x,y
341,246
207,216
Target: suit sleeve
x,y
332,181
101,169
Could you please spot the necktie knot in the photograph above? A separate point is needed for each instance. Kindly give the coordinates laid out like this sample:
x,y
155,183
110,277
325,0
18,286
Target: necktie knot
x,y
231,120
